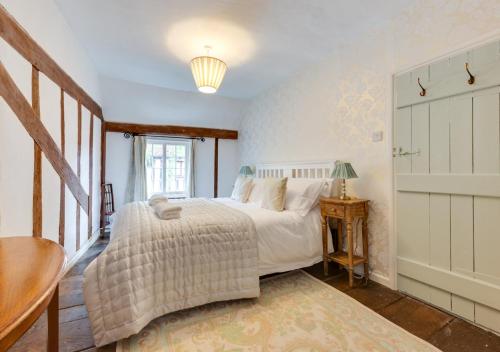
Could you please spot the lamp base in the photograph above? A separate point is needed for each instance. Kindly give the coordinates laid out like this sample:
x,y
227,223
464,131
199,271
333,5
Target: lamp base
x,y
343,196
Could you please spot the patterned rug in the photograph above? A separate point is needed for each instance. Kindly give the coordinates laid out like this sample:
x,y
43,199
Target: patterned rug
x,y
295,313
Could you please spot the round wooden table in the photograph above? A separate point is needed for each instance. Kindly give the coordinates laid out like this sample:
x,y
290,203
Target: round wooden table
x,y
30,270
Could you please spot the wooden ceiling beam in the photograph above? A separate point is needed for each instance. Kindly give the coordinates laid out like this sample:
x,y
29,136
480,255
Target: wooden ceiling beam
x,y
24,44
181,131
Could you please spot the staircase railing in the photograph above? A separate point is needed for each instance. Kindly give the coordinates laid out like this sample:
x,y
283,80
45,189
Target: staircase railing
x,y
29,116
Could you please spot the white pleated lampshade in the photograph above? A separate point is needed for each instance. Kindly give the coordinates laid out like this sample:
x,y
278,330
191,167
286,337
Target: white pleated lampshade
x,y
208,73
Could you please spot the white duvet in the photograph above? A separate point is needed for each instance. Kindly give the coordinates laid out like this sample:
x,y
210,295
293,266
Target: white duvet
x,y
286,240
152,267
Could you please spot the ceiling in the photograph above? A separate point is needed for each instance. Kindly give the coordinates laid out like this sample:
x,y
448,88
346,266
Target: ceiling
x,y
262,41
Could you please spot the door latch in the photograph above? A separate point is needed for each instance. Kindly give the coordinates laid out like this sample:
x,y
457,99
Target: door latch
x,y
400,152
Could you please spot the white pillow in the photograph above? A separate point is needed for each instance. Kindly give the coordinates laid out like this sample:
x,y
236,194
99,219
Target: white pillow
x,y
242,188
274,193
303,194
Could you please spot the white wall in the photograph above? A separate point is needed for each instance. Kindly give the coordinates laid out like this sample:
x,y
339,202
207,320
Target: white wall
x,y
127,101
46,25
137,103
330,111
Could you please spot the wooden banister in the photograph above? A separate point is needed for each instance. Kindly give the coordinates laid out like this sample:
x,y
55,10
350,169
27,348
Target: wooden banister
x,y
35,128
29,116
37,159
24,44
102,223
91,174
79,170
62,186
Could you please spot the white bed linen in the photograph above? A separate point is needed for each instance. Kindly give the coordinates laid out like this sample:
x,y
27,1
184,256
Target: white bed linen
x,y
286,240
152,267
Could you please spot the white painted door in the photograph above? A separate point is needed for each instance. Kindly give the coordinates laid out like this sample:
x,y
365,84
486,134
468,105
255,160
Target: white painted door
x,y
447,185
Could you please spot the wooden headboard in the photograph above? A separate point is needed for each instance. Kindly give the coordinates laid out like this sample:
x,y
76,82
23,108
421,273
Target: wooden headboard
x,y
309,169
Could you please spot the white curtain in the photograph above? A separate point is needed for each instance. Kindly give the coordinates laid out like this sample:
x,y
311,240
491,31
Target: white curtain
x,y
137,185
191,181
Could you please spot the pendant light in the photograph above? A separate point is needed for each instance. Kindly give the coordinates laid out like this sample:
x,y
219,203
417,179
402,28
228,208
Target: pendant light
x,y
208,72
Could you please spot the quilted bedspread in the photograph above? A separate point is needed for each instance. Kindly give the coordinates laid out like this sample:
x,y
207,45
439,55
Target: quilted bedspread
x,y
152,267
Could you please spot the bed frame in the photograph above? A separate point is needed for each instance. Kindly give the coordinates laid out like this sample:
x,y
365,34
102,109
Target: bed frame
x,y
309,169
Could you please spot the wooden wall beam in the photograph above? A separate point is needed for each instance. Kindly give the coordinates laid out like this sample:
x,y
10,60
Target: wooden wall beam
x,y
62,187
216,167
79,171
24,44
182,131
35,128
102,218
91,173
37,160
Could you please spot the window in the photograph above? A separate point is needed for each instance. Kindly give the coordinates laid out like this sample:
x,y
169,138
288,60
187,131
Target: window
x,y
168,164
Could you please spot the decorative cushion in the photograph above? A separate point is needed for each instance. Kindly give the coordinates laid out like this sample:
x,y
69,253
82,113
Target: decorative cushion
x,y
242,188
274,193
256,191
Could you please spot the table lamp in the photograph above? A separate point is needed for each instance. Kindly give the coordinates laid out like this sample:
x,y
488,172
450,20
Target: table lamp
x,y
343,171
246,171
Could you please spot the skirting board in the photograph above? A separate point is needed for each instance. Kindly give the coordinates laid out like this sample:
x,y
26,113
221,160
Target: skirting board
x,y
381,279
82,251
375,276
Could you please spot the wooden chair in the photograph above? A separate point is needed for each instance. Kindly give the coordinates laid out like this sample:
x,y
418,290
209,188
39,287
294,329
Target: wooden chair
x,y
109,202
30,270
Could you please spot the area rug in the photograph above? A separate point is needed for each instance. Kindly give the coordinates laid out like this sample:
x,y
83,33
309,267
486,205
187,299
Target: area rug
x,y
295,313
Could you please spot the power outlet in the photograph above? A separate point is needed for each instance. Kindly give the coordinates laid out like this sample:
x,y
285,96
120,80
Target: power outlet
x,y
378,136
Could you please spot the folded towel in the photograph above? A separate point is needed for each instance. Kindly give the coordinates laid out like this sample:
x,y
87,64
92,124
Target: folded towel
x,y
167,211
172,216
157,198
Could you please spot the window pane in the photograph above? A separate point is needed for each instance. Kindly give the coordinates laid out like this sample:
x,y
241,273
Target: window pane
x,y
158,150
154,167
166,163
170,151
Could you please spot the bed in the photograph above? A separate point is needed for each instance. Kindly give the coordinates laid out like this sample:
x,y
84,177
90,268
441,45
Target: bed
x,y
286,240
215,252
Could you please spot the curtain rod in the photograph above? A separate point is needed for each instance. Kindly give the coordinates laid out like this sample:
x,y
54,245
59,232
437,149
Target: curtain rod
x,y
127,135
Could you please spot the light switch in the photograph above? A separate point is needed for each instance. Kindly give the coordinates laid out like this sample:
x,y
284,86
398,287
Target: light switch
x,y
377,136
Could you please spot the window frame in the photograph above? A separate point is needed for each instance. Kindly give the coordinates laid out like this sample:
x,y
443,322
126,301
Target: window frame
x,y
164,141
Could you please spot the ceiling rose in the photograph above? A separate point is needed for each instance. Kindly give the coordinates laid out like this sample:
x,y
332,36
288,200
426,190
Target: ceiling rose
x,y
208,72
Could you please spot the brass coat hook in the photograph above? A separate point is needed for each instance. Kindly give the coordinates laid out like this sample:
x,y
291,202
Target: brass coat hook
x,y
472,79
422,93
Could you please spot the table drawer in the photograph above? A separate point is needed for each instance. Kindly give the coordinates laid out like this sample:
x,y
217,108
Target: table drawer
x,y
334,211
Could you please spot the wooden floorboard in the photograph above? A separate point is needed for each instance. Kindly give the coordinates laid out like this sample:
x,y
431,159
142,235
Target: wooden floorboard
x,y
73,313
418,318
462,336
446,332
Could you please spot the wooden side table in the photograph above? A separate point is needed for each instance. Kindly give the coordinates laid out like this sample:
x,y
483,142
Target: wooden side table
x,y
30,270
345,211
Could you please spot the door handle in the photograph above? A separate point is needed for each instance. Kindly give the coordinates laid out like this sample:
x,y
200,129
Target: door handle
x,y
401,153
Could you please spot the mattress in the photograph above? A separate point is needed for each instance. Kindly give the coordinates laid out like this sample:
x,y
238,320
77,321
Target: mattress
x,y
286,240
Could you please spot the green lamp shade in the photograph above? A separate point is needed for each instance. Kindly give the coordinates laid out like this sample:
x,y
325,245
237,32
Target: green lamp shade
x,y
343,170
246,171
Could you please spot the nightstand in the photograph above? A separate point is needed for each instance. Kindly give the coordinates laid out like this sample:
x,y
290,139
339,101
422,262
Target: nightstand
x,y
345,211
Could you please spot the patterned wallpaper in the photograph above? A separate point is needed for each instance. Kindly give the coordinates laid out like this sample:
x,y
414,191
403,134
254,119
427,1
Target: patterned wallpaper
x,y
330,111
